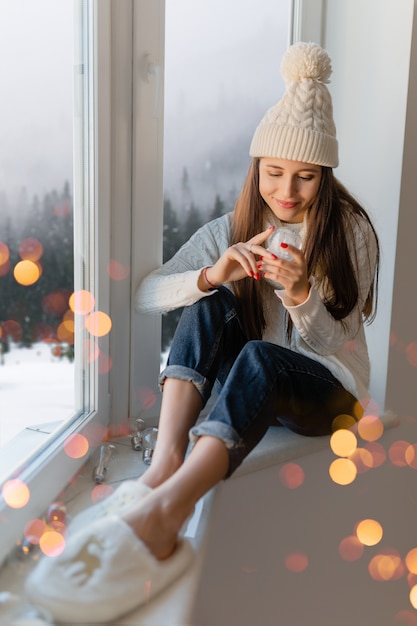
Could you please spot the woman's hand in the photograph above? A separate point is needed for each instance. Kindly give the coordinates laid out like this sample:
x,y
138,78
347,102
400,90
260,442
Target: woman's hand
x,y
237,262
291,274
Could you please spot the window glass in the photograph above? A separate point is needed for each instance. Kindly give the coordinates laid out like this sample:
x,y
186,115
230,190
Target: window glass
x,y
221,74
36,215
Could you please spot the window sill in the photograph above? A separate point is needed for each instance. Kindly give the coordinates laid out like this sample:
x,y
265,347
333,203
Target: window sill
x,y
175,605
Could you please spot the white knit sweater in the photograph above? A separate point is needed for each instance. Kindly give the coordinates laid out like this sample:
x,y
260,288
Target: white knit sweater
x,y
341,347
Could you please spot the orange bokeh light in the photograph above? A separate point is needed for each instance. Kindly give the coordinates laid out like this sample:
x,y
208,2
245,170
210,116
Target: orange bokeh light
x,y
386,566
26,272
101,492
4,253
411,561
370,427
350,548
397,453
15,493
411,353
52,543
343,471
34,530
296,562
30,249
291,475
98,324
405,618
369,532
65,332
343,442
411,455
76,446
118,271
82,302
343,421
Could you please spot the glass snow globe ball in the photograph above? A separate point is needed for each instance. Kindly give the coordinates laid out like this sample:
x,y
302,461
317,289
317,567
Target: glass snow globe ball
x,y
283,235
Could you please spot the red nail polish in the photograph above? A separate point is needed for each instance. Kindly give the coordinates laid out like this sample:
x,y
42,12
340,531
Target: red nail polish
x,y
257,277
251,274
261,258
259,266
284,245
274,257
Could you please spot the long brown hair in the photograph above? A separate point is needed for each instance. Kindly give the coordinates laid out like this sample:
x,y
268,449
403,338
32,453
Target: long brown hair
x,y
330,228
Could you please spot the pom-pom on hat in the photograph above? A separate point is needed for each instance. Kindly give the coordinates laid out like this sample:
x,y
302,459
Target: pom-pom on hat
x,y
300,126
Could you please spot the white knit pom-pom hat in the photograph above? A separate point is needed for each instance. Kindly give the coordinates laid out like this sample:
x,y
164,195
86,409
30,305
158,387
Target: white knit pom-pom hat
x,y
300,126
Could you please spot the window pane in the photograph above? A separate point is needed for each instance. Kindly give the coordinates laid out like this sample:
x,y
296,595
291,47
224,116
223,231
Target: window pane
x,y
221,74
36,215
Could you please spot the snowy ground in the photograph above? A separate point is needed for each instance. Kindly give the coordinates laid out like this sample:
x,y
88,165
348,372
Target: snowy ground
x,y
35,387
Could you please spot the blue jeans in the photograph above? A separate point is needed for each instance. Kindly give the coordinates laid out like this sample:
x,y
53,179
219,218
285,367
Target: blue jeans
x,y
260,383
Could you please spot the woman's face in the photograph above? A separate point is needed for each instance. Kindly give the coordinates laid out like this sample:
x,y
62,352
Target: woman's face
x,y
288,187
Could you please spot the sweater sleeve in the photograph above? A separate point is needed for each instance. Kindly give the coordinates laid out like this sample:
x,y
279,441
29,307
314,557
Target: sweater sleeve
x,y
175,283
316,326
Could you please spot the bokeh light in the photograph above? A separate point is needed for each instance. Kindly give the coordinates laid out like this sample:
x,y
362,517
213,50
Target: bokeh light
x,y
411,561
413,596
146,396
92,350
369,532
117,271
5,268
411,455
98,324
65,332
370,427
30,249
56,516
411,353
296,562
386,566
4,253
55,303
350,548
291,475
15,493
26,273
343,421
101,492
76,446
405,618
104,363
34,530
52,543
377,452
343,471
82,302
12,329
397,453
362,460
343,442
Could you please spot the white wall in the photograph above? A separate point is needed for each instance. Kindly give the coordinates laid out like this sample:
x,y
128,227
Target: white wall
x,y
369,43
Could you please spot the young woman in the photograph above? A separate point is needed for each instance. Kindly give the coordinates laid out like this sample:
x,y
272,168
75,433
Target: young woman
x,y
282,339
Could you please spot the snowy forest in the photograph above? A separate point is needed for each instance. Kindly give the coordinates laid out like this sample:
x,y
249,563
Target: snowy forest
x,y
42,230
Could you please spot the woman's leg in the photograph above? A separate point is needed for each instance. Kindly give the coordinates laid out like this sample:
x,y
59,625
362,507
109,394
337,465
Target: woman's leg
x,y
180,408
158,518
205,345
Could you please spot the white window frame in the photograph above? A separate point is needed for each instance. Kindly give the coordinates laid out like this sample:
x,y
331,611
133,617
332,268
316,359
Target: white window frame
x,y
106,189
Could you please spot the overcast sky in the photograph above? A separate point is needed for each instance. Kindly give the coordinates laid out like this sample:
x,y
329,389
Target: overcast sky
x,y
215,49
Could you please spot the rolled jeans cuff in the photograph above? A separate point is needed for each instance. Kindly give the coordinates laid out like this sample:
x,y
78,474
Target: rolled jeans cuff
x,y
180,372
227,434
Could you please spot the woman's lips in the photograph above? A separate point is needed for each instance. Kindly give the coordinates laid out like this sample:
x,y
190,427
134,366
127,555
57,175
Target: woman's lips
x,y
286,205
